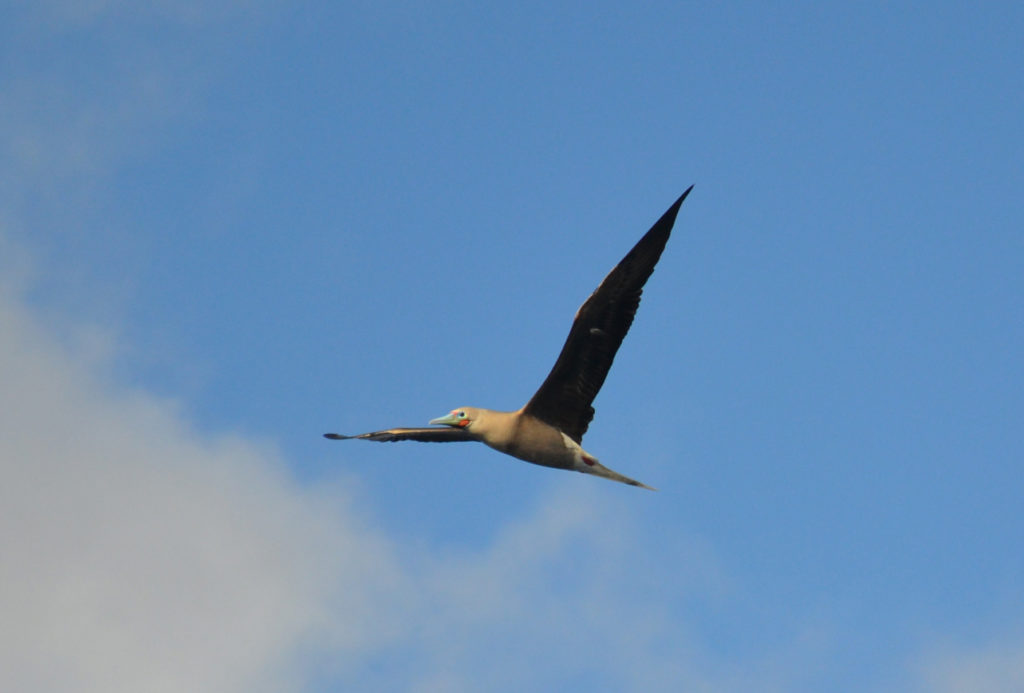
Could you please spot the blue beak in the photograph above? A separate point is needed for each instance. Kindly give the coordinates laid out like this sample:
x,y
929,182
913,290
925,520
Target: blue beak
x,y
446,420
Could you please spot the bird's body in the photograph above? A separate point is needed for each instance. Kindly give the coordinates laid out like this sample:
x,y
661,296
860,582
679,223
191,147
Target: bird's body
x,y
525,437
549,429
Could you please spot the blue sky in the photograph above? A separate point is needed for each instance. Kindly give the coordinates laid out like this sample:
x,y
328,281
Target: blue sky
x,y
226,228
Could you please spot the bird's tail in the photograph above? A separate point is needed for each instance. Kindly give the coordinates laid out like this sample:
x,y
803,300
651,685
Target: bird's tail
x,y
599,469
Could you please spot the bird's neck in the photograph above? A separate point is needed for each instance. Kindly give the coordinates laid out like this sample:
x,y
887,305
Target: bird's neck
x,y
495,428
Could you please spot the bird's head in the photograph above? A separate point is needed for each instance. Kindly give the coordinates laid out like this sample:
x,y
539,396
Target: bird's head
x,y
456,418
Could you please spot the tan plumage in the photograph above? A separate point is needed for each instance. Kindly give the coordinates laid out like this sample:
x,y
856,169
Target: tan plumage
x,y
549,429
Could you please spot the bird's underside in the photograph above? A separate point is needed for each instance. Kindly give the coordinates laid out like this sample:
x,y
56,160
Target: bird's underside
x,y
549,429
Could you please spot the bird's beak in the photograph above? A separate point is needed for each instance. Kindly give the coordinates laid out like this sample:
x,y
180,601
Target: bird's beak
x,y
446,420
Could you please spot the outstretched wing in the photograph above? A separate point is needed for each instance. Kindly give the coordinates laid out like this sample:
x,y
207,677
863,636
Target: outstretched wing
x,y
564,399
423,435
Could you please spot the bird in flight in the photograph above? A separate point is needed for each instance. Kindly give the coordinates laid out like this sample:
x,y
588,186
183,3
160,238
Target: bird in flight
x,y
549,429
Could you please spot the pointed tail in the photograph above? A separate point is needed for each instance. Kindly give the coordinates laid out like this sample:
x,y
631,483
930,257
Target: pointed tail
x,y
599,469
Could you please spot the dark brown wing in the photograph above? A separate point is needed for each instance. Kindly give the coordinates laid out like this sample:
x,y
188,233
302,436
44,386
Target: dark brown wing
x,y
564,399
423,435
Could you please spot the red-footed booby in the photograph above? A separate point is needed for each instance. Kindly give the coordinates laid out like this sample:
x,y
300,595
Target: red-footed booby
x,y
549,429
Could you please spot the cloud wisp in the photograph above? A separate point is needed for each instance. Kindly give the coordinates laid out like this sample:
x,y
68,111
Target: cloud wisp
x,y
138,555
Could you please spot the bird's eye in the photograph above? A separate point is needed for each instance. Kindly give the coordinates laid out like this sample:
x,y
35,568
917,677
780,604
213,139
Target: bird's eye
x,y
462,415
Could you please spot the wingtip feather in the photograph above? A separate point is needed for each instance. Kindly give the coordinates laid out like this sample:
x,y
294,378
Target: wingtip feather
x,y
679,201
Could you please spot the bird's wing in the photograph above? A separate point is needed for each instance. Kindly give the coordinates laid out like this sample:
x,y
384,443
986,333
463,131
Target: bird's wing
x,y
564,399
423,435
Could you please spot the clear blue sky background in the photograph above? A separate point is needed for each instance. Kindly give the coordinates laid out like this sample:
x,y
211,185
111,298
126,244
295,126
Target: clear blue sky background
x,y
264,221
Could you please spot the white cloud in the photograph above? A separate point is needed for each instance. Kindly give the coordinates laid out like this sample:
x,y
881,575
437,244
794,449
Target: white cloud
x,y
997,668
139,554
